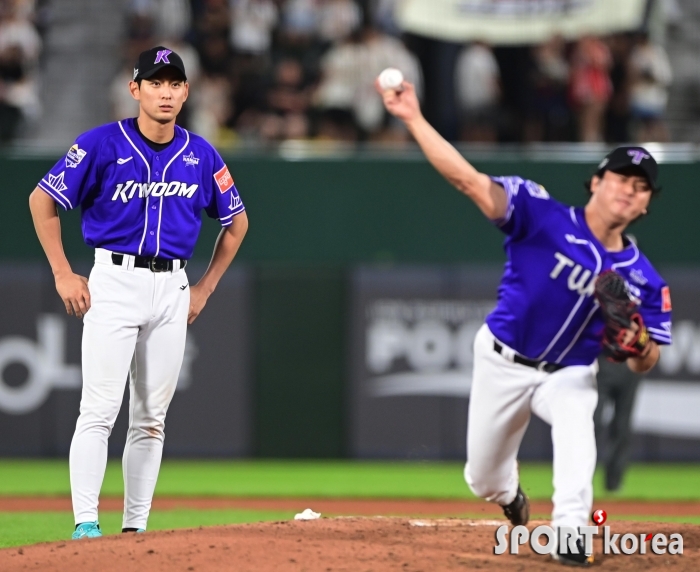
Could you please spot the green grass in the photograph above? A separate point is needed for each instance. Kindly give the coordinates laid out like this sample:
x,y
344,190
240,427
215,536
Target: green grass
x,y
427,480
22,528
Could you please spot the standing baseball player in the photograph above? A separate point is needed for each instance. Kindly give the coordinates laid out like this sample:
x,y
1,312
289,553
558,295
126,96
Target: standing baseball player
x,y
573,285
141,185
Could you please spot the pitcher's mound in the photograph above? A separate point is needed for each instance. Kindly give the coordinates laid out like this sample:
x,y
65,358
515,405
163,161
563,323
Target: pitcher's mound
x,y
329,545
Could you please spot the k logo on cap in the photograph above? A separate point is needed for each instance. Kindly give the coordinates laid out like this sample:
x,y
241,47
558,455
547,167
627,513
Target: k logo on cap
x,y
155,59
162,56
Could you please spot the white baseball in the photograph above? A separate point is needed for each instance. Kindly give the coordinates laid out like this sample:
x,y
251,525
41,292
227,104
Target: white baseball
x,y
390,78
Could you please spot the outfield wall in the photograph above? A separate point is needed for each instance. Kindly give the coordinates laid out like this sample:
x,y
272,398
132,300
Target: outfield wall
x,y
288,316
340,211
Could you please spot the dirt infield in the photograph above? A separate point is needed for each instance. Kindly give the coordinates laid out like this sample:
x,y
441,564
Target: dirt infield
x,y
346,543
329,545
360,507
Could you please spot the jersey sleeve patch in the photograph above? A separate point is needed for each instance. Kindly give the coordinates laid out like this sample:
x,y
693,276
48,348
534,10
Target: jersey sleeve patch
x,y
536,190
55,186
665,299
74,156
223,179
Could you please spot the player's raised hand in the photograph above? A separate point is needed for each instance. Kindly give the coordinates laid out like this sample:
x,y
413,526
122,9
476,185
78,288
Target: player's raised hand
x,y
401,103
73,290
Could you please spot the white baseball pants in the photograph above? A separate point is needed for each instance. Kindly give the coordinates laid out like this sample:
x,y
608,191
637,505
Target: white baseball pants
x,y
136,327
503,395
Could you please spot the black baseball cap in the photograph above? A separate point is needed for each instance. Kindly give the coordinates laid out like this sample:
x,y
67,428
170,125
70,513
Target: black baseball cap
x,y
156,59
631,157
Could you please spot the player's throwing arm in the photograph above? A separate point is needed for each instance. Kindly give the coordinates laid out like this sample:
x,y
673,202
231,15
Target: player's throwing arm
x,y
488,196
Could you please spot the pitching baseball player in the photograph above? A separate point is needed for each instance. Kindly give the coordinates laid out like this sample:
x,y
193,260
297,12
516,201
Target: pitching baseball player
x,y
559,305
142,185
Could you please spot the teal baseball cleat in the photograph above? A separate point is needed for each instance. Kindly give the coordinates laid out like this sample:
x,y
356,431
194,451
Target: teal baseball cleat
x,y
87,530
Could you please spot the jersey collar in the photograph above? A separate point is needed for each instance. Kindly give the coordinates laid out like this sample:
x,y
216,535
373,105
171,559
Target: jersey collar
x,y
135,136
628,252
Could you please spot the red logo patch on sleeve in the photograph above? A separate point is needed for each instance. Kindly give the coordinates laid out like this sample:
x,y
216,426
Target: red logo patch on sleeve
x,y
223,179
665,299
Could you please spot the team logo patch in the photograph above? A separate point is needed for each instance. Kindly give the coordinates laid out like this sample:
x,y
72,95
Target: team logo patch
x,y
190,160
665,299
637,156
74,156
235,202
136,72
535,190
162,56
638,276
56,182
223,179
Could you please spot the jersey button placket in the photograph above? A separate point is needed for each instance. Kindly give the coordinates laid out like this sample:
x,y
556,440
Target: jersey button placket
x,y
153,223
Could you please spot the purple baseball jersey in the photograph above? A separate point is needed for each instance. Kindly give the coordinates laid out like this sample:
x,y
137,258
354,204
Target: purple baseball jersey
x,y
546,309
135,200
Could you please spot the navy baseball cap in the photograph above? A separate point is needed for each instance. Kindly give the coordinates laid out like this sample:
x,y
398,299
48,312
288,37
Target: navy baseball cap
x,y
156,59
631,157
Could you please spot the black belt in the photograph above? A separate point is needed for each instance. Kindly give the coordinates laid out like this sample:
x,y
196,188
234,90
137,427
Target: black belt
x,y
153,263
536,364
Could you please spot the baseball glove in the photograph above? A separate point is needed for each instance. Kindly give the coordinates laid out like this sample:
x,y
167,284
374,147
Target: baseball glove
x,y
621,339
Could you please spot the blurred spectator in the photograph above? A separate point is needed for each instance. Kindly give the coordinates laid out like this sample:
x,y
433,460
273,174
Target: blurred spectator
x,y
17,31
383,15
477,82
337,19
341,77
22,9
549,117
252,23
299,22
140,26
215,55
590,87
164,18
288,101
122,104
20,47
173,18
650,74
618,114
213,108
336,124
213,19
347,82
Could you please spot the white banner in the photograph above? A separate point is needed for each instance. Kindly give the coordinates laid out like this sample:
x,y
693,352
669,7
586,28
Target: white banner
x,y
517,22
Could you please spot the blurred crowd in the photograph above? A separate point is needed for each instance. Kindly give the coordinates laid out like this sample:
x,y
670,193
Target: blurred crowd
x,y
274,70
611,89
22,24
